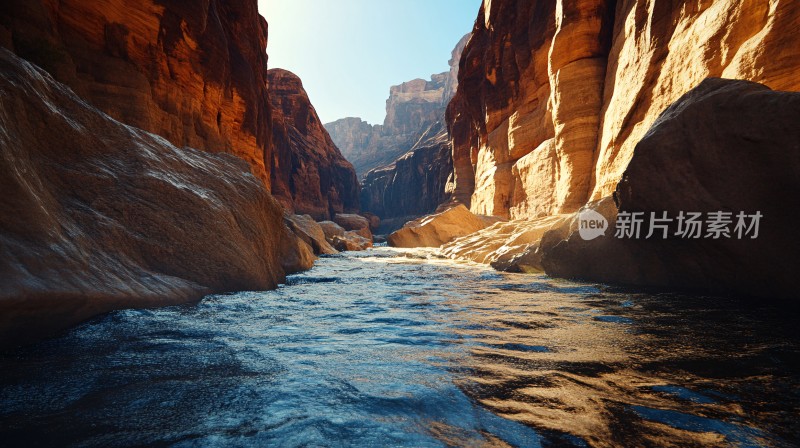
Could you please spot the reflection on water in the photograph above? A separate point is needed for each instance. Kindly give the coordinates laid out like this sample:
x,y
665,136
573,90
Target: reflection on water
x,y
397,348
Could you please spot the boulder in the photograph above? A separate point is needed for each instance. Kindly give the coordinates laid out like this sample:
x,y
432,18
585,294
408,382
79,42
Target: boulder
x,y
727,145
440,228
309,231
96,215
331,229
374,221
356,223
351,240
300,257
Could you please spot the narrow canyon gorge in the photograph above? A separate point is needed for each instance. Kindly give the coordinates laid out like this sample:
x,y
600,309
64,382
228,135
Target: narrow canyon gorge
x,y
581,233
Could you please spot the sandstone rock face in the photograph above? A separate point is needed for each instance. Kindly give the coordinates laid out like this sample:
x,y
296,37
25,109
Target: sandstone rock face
x,y
331,229
440,228
512,246
412,107
415,183
730,146
96,215
355,223
554,96
351,240
310,232
194,73
309,174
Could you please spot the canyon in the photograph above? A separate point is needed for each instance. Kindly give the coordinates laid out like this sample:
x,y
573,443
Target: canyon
x,y
405,163
211,264
196,74
157,161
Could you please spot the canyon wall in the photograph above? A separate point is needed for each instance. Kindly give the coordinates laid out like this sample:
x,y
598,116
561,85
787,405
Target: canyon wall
x,y
408,159
310,176
192,72
98,215
415,183
412,107
554,96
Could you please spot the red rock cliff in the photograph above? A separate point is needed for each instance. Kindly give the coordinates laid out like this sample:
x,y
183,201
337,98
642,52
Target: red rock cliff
x,y
309,174
192,72
96,215
553,96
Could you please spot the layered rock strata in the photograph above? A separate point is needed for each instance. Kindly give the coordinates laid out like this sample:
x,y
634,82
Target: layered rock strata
x,y
412,107
554,96
728,151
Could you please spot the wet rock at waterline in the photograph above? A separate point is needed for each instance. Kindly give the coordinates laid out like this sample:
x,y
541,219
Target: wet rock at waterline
x,y
97,215
310,232
356,223
730,146
351,240
439,228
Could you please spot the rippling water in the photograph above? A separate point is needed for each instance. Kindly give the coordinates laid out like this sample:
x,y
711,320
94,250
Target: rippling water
x,y
398,348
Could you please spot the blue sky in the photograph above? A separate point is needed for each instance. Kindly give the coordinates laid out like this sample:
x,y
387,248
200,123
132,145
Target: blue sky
x,y
348,52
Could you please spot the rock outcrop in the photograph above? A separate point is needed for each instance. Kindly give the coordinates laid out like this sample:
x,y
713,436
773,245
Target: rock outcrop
x,y
415,183
194,73
97,215
310,232
309,174
439,228
343,239
412,107
554,96
726,146
355,223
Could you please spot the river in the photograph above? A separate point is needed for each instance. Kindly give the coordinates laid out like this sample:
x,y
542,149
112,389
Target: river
x,y
394,347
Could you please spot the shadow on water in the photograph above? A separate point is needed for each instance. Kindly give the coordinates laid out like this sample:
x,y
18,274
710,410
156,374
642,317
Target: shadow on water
x,y
400,348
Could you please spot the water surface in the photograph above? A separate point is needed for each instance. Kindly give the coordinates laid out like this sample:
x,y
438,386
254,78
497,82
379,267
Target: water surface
x,y
398,348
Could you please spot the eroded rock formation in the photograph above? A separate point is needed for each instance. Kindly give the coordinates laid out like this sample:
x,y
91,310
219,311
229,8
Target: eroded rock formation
x,y
98,215
194,73
415,183
412,107
439,228
554,96
309,174
726,146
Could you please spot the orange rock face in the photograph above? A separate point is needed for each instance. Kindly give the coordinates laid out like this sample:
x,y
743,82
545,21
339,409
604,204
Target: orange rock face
x,y
554,96
192,72
97,215
309,174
